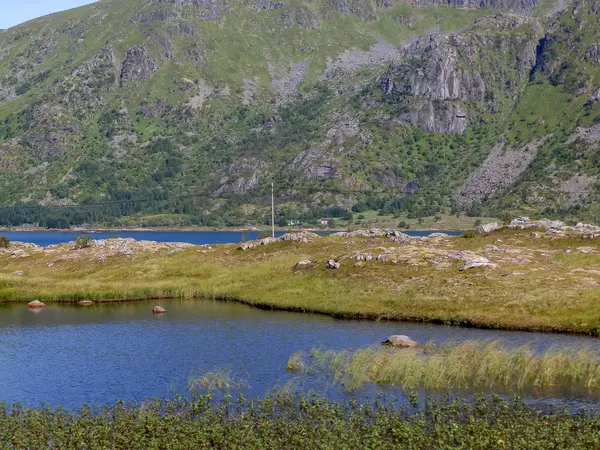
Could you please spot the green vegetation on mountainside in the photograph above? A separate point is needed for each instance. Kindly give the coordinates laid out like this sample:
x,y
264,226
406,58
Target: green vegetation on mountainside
x,y
125,100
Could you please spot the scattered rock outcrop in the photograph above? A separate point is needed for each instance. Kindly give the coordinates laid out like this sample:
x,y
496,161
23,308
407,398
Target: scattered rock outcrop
x,y
488,228
302,264
479,261
302,236
332,264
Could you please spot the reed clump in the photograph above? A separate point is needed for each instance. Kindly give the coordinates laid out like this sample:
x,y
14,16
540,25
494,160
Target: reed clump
x,y
222,380
456,366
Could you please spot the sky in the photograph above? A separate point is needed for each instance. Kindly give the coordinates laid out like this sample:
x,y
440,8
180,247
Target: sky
x,y
14,12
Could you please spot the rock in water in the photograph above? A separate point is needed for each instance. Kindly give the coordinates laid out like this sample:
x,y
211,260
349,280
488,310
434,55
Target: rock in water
x,y
331,264
158,310
36,304
400,340
85,302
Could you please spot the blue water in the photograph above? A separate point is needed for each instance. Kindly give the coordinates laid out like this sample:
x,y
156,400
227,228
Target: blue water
x,y
71,355
45,238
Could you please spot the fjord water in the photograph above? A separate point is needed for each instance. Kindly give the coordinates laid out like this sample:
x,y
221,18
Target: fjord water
x,y
71,355
45,238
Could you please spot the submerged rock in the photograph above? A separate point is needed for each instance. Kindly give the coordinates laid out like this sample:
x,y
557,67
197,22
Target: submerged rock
x,y
400,340
158,310
331,264
36,304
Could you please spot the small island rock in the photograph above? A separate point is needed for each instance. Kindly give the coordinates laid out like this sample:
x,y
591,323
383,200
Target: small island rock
x,y
400,340
159,310
36,304
85,302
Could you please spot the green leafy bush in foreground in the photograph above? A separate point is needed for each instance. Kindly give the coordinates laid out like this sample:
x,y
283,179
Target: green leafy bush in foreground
x,y
4,242
285,422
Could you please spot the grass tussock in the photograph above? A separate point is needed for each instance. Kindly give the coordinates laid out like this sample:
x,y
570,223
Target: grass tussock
x,y
221,380
469,365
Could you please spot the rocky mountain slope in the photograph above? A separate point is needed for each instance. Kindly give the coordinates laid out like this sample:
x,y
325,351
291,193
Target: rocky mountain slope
x,y
415,106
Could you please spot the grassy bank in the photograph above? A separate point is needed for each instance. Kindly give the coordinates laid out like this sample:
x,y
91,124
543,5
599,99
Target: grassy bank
x,y
538,283
472,365
297,422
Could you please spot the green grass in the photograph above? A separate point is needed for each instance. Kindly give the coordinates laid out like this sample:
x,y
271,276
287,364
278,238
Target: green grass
x,y
471,365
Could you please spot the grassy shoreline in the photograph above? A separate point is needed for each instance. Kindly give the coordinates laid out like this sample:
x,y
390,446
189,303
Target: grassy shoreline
x,y
539,284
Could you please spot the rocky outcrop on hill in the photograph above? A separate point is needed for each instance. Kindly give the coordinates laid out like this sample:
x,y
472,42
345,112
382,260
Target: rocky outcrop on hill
x,y
444,80
137,65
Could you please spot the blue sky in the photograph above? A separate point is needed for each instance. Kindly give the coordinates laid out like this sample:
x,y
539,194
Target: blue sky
x,y
14,12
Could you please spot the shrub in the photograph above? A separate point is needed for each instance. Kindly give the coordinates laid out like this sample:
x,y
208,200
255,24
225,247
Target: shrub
x,y
477,223
469,234
4,242
83,242
402,224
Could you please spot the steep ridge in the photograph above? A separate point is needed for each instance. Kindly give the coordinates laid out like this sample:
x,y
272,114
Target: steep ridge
x,y
160,98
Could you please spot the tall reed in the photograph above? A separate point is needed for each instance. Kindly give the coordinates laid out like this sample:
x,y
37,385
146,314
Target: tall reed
x,y
467,365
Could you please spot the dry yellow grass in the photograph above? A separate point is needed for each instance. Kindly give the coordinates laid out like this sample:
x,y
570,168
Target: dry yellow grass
x,y
539,284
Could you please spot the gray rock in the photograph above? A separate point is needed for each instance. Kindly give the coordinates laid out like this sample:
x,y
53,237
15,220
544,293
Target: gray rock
x,y
488,228
331,264
302,264
437,236
158,310
36,304
85,302
400,340
137,65
18,273
478,262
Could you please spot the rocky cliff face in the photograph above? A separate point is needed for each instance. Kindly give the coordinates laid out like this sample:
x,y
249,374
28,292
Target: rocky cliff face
x,y
444,81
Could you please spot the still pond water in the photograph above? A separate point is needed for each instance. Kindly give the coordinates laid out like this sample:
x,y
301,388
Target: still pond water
x,y
71,355
45,238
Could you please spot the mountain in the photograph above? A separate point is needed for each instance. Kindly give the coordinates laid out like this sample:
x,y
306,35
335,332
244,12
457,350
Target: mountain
x,y
197,106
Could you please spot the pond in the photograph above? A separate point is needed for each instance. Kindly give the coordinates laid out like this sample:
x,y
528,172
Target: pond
x,y
45,238
71,355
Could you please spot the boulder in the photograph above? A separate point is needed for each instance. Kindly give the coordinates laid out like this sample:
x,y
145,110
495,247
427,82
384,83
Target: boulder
x,y
302,264
478,262
437,236
36,304
85,302
488,227
331,264
18,273
158,310
400,340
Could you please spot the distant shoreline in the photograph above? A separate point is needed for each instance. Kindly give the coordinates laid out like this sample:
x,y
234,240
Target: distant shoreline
x,y
93,230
